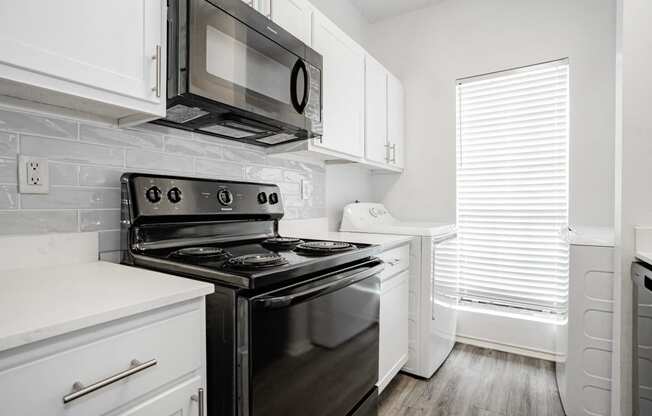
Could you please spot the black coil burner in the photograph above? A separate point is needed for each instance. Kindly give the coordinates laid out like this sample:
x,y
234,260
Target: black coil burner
x,y
323,248
256,261
282,243
200,252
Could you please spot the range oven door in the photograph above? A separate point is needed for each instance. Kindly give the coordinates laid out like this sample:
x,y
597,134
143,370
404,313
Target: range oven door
x,y
311,349
246,78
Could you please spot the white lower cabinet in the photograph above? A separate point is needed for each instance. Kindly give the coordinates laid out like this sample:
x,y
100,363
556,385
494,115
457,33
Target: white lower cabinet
x,y
394,297
150,364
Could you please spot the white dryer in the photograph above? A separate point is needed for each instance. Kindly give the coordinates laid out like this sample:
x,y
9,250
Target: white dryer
x,y
433,282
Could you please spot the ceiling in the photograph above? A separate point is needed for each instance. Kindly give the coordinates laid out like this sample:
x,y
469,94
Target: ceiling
x,y
375,10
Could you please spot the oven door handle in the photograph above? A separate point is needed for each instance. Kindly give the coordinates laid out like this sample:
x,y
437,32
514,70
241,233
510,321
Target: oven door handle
x,y
299,106
334,283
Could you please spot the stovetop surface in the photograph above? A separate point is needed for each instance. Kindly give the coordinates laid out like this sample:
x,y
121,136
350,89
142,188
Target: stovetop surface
x,y
294,262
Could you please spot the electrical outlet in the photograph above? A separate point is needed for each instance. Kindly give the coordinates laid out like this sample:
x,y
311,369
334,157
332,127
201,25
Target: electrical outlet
x,y
33,175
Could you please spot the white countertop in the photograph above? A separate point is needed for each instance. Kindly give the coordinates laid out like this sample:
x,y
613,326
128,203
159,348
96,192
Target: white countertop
x,y
386,241
43,302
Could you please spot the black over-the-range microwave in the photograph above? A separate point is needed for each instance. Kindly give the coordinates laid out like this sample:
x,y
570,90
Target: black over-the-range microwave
x,y
235,74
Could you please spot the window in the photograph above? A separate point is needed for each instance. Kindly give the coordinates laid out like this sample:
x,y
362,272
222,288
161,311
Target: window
x,y
512,190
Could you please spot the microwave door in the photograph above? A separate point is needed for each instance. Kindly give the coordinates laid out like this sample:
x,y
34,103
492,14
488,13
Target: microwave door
x,y
235,65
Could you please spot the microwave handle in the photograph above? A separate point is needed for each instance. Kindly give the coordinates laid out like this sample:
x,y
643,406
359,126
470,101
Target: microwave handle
x,y
300,106
333,284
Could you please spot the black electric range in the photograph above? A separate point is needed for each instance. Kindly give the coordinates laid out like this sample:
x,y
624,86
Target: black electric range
x,y
292,324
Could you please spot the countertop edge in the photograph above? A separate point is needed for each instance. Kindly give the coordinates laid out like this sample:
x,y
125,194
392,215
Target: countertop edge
x,y
37,333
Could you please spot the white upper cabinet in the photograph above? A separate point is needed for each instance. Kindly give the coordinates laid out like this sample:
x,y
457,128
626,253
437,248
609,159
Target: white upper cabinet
x,y
293,16
384,118
343,88
376,147
396,121
101,57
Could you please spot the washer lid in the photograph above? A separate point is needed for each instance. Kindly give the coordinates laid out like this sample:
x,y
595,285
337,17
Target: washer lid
x,y
374,218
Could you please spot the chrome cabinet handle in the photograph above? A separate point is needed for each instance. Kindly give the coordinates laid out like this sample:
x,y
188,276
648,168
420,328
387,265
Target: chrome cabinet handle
x,y
251,3
157,60
79,390
269,16
393,148
199,398
387,147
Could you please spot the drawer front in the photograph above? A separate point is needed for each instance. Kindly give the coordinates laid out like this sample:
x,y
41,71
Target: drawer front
x,y
396,260
38,387
180,400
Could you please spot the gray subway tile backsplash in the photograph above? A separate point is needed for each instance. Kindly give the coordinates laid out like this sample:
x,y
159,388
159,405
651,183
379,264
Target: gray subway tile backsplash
x,y
263,174
143,159
8,197
189,147
85,170
71,151
38,222
73,198
63,174
32,124
8,171
209,168
99,176
8,144
120,137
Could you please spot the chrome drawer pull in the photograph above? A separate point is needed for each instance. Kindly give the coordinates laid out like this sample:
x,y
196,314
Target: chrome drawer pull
x,y
79,390
199,398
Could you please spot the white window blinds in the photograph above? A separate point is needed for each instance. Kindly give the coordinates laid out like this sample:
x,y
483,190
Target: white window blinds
x,y
512,189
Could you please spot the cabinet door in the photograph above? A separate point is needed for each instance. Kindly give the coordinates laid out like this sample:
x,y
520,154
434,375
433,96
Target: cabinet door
x,y
375,111
343,88
108,46
396,120
393,327
177,401
293,16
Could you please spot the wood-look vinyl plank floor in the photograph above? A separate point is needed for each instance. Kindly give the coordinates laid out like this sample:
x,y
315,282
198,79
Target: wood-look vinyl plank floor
x,y
477,381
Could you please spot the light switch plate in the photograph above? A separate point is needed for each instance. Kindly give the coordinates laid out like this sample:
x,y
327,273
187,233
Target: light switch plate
x,y
33,175
306,189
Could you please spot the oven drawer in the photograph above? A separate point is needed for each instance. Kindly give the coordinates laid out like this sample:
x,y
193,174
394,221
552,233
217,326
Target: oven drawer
x,y
166,349
396,260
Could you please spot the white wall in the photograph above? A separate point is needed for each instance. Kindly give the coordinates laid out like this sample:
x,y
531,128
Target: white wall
x,y
429,49
345,183
633,177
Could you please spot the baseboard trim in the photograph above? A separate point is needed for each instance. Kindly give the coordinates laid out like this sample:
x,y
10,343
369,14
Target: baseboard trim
x,y
513,349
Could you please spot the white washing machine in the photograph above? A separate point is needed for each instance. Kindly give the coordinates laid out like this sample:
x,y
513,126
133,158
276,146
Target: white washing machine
x,y
433,282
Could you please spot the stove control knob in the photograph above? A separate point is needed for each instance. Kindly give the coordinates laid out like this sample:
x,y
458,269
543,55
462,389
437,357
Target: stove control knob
x,y
153,194
273,198
174,195
262,198
225,197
